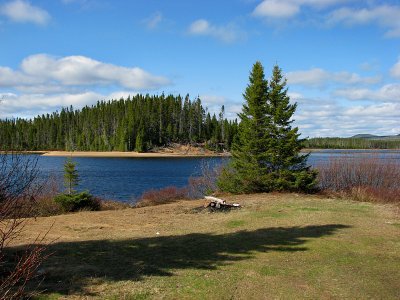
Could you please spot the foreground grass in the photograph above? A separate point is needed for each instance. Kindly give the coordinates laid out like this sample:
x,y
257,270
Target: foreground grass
x,y
277,246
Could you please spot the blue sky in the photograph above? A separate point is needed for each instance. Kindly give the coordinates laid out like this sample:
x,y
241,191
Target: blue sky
x,y
341,57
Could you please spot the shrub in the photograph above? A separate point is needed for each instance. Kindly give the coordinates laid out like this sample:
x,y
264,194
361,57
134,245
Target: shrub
x,y
362,178
162,196
44,205
206,183
19,187
78,201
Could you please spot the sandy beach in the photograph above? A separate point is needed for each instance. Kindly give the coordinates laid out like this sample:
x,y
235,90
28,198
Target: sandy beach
x,y
131,154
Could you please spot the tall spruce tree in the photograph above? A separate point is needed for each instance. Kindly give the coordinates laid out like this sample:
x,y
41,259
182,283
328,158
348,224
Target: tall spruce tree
x,y
249,149
266,152
288,168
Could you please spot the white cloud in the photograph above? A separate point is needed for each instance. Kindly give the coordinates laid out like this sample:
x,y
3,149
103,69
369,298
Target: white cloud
x,y
388,93
213,103
385,110
289,8
212,99
386,16
30,105
154,20
9,78
44,70
226,33
276,9
318,77
43,84
329,117
395,70
23,12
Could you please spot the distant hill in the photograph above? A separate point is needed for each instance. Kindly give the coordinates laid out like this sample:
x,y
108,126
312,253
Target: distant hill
x,y
376,137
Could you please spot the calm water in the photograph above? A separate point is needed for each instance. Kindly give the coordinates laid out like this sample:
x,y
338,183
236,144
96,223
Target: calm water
x,y
125,179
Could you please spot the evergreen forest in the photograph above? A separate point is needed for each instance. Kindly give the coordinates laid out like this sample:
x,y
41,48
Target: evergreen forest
x,y
352,143
137,123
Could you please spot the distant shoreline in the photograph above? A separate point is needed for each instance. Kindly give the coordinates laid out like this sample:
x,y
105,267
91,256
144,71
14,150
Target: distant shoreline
x,y
129,154
177,154
349,150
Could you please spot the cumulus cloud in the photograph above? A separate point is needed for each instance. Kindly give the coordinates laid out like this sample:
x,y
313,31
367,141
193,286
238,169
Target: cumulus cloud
x,y
386,16
225,33
387,110
318,77
276,9
30,105
44,83
289,8
23,12
388,92
44,70
329,117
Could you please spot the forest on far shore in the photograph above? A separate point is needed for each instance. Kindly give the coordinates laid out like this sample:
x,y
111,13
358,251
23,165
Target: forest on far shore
x,y
137,123
352,143
142,122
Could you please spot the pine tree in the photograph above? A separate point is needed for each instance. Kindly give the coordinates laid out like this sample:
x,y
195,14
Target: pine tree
x,y
265,152
71,177
288,167
139,144
249,150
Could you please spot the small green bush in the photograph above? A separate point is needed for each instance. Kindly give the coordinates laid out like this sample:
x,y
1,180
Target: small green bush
x,y
77,201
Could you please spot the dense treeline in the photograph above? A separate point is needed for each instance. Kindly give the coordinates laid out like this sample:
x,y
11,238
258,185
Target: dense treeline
x,y
352,143
137,123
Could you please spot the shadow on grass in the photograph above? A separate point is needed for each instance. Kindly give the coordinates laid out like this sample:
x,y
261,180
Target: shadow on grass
x,y
73,265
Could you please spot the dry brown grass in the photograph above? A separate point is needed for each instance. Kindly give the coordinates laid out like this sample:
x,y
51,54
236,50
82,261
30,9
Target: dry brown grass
x,y
277,246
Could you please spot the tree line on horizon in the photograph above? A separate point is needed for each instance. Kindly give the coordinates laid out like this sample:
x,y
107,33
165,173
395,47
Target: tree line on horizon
x,y
351,143
137,123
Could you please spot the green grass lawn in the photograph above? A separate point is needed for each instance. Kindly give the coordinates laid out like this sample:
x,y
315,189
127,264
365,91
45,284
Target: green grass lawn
x,y
276,247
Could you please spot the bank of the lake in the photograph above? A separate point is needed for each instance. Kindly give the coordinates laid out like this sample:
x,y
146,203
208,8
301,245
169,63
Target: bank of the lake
x,y
132,154
125,178
278,246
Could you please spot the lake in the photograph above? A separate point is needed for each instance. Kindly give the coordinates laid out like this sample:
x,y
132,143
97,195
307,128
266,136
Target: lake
x,y
125,179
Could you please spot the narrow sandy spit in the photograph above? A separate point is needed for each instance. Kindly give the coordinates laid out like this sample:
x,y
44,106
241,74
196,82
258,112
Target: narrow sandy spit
x,y
129,154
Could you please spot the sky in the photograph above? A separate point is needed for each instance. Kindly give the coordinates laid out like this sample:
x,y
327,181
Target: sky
x,y
341,58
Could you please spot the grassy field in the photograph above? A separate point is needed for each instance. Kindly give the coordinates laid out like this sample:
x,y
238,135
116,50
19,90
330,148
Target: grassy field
x,y
278,246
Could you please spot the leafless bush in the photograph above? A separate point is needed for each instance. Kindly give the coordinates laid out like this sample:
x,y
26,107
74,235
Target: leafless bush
x,y
162,196
206,183
43,204
363,178
18,189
